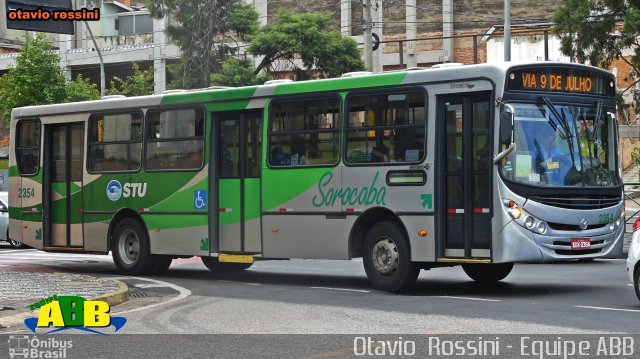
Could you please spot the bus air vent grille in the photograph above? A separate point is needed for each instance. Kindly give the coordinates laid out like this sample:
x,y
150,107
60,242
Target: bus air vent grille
x,y
573,227
574,202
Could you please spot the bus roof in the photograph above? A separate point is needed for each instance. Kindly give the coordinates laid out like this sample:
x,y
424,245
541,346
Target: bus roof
x,y
494,71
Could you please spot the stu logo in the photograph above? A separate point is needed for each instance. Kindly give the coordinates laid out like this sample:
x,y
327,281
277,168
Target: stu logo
x,y
115,190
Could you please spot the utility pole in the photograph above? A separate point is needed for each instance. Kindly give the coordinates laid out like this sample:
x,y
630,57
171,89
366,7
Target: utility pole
x,y
507,30
95,44
368,47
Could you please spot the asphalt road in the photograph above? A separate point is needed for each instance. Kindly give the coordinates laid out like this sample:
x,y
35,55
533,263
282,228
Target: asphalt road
x,y
313,296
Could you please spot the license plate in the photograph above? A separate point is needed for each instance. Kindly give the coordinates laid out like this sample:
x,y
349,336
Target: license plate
x,y
581,243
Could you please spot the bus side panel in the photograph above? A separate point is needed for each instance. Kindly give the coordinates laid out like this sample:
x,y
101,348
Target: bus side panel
x,y
102,198
423,249
31,192
413,203
297,200
307,236
15,205
95,235
176,223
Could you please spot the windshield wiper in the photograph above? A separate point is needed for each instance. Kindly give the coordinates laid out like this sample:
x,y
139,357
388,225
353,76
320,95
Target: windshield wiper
x,y
596,122
561,120
563,124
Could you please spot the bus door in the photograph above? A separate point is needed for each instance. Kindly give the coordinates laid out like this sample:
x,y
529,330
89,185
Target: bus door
x,y
64,144
465,166
237,154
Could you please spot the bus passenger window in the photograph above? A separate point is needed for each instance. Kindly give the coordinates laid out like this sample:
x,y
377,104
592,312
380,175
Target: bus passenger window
x,y
304,133
115,142
175,140
386,128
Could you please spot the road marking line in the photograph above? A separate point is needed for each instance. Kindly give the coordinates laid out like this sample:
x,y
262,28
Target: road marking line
x,y
630,285
184,292
343,289
467,298
605,308
295,268
236,282
143,286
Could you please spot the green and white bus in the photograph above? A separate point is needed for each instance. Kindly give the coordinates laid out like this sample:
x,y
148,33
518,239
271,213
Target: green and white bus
x,y
481,166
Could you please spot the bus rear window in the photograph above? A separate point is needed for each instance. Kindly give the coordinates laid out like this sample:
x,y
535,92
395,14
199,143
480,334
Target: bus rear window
x,y
28,147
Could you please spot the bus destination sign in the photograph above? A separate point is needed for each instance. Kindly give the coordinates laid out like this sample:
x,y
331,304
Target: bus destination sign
x,y
558,79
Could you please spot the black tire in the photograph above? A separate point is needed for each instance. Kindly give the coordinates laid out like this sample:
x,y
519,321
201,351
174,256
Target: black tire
x,y
14,243
161,263
387,258
218,267
130,248
487,273
636,281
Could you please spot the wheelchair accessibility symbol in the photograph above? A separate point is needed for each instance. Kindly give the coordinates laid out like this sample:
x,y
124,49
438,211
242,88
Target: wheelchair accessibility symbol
x,y
200,199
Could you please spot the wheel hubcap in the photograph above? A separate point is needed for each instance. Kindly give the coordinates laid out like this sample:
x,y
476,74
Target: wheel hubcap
x,y
128,246
385,257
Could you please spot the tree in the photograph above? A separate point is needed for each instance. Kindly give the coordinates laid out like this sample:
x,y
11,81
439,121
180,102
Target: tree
x,y
307,38
138,84
237,72
36,78
598,31
81,89
200,29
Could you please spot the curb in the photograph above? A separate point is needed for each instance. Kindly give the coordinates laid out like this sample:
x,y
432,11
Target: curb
x,y
116,297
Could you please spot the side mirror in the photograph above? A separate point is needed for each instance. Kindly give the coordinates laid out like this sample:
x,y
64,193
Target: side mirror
x,y
506,125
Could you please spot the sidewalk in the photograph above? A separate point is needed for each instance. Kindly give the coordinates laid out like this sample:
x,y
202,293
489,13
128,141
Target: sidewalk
x,y
20,289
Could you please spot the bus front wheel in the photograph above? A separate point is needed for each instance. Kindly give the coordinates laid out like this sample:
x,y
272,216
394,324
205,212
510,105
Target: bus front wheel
x,y
387,258
130,248
218,267
487,273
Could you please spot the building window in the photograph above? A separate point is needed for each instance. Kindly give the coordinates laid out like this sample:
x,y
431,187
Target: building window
x,y
175,140
386,128
28,147
304,133
115,142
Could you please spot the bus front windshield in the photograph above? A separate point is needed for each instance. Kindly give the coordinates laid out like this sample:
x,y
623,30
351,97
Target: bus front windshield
x,y
563,145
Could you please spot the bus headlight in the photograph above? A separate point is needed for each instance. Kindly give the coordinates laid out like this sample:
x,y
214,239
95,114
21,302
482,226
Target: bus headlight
x,y
618,222
612,226
528,222
516,212
542,227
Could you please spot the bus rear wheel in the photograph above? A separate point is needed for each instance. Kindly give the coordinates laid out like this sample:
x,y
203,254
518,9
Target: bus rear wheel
x,y
487,273
387,258
218,267
130,248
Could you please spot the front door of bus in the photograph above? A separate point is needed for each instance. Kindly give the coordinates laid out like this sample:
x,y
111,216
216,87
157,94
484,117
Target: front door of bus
x,y
238,152
63,177
465,155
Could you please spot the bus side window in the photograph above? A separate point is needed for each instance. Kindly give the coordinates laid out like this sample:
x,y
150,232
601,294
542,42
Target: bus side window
x,y
28,147
304,132
115,142
386,128
175,139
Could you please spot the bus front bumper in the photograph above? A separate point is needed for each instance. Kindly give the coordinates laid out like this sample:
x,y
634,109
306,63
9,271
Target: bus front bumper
x,y
523,246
